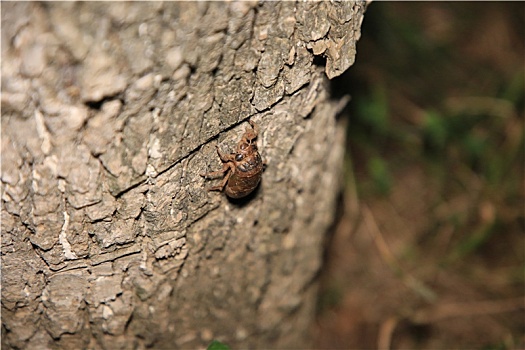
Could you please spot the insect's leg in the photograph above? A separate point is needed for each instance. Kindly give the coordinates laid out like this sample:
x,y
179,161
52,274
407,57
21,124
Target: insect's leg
x,y
229,166
250,135
255,128
217,173
225,157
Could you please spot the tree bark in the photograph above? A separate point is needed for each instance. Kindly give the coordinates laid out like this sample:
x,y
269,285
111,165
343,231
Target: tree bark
x,y
110,111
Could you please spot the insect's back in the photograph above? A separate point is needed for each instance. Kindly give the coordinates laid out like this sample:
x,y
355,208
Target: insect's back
x,y
247,176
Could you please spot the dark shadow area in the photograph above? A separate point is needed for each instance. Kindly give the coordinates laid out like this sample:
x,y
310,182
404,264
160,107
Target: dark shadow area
x,y
428,251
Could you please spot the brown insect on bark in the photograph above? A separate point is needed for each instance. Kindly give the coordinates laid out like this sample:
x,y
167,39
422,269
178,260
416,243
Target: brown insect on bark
x,y
243,169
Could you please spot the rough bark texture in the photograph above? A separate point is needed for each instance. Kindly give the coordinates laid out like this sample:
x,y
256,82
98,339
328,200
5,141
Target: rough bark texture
x,y
110,111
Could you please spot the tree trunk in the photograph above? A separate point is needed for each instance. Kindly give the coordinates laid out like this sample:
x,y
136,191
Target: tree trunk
x,y
110,111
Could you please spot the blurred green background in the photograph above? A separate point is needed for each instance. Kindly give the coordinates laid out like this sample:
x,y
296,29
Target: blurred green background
x,y
429,249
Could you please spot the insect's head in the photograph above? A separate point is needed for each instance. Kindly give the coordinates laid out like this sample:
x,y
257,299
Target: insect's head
x,y
247,142
247,145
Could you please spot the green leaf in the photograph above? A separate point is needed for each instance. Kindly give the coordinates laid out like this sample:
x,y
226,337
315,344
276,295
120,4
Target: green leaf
x,y
217,345
380,175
